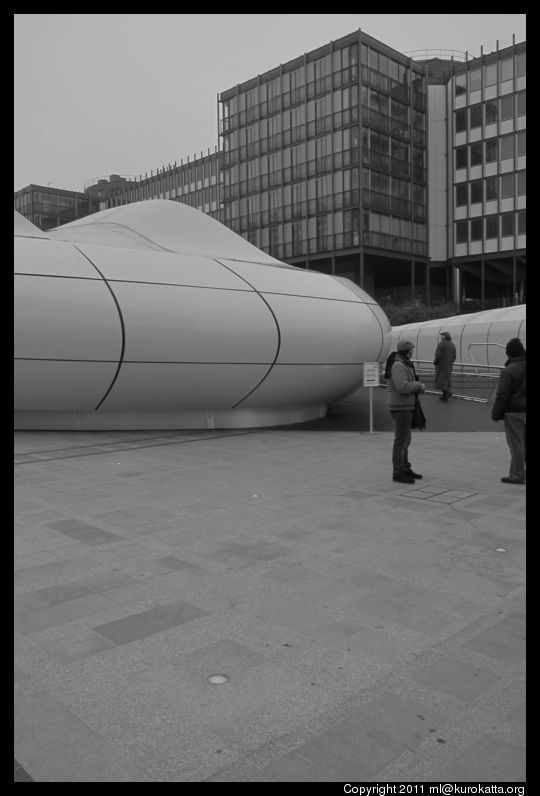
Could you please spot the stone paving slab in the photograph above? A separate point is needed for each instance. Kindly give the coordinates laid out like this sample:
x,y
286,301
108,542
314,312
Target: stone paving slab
x,y
367,631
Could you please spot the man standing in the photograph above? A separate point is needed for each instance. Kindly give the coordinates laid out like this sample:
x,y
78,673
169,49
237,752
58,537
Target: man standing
x,y
510,405
445,356
402,385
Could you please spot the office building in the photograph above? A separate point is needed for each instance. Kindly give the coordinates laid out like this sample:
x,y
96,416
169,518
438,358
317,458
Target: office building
x,y
48,207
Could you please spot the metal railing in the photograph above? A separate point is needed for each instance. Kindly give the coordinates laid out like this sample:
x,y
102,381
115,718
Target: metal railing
x,y
447,55
470,381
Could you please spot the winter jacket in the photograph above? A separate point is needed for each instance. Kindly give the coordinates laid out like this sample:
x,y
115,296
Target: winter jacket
x,y
445,355
511,389
402,384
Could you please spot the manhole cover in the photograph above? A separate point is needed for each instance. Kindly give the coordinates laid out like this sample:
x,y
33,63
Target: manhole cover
x,y
217,679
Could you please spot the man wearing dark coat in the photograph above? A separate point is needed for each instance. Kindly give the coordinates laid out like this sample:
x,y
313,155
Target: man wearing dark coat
x,y
511,406
445,356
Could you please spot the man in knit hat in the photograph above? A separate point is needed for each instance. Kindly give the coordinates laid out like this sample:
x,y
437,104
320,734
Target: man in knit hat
x,y
510,405
445,356
403,385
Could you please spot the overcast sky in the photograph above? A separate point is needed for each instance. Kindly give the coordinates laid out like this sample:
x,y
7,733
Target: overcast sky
x,y
100,94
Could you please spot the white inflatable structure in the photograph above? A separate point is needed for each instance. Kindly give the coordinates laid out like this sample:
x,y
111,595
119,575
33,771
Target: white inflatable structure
x,y
480,338
154,315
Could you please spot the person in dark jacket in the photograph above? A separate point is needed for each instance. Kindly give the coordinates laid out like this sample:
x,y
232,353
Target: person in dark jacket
x,y
445,356
402,384
510,405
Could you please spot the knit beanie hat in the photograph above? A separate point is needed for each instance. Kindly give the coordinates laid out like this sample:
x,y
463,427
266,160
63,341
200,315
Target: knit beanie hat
x,y
405,345
514,348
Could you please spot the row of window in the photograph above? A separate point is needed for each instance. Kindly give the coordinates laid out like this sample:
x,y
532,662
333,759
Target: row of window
x,y
347,240
324,108
505,186
317,154
325,227
488,227
317,130
506,146
491,111
492,73
319,68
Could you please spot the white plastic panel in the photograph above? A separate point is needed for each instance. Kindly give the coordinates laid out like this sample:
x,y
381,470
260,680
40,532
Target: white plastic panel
x,y
386,329
297,282
173,225
49,257
165,267
54,386
171,387
186,324
490,329
65,319
295,385
325,332
197,344
499,334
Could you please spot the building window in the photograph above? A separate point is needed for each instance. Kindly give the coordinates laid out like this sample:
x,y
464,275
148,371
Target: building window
x,y
461,194
461,157
492,226
521,64
476,228
461,120
507,146
476,191
491,150
521,183
522,222
491,112
490,74
521,103
476,153
461,232
475,116
491,188
461,84
507,185
507,107
475,79
507,224
522,142
507,68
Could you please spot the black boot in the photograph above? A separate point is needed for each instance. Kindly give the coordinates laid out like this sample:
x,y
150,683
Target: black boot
x,y
410,472
401,477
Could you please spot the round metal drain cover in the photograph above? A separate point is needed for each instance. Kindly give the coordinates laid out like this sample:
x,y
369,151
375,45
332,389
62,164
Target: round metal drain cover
x,y
218,679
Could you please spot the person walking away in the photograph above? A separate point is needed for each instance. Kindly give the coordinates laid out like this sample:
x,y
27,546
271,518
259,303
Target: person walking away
x,y
402,384
445,356
511,406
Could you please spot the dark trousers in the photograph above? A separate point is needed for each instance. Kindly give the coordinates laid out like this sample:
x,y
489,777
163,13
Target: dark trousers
x,y
515,426
402,439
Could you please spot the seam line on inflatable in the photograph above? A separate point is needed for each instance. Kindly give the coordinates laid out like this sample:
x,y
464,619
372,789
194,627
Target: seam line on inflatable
x,y
199,287
380,327
277,328
130,229
122,327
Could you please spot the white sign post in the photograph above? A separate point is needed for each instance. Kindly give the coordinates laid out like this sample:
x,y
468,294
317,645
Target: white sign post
x,y
371,380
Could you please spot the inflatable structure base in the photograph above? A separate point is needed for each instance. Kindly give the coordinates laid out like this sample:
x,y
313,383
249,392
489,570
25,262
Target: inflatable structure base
x,y
139,421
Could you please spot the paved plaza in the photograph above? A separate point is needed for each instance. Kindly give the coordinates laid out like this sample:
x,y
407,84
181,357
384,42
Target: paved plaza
x,y
359,630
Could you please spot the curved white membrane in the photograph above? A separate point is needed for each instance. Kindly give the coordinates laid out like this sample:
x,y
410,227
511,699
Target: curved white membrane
x,y
146,331
480,338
